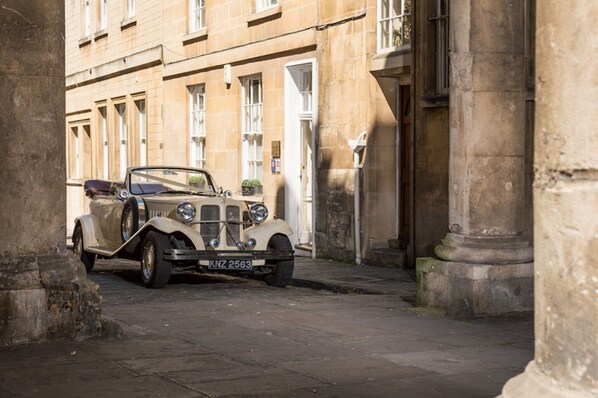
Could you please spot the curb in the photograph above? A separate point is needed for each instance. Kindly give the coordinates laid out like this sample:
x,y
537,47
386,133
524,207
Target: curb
x,y
332,287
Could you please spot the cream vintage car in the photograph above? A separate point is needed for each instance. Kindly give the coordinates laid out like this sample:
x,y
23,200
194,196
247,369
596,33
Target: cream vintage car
x,y
172,218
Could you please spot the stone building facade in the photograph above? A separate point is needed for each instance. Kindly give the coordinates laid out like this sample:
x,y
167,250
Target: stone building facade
x,y
43,293
271,90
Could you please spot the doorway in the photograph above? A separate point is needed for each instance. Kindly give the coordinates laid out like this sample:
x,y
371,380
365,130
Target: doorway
x,y
300,133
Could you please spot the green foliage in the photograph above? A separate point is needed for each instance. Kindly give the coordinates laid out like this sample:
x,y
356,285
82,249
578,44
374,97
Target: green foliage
x,y
197,180
251,183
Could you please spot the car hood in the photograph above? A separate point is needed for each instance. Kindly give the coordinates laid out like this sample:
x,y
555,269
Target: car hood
x,y
175,199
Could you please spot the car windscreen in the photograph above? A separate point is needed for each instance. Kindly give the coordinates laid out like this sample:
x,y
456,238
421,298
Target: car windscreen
x,y
173,180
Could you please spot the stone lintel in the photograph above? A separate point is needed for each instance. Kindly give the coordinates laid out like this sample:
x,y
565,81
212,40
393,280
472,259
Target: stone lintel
x,y
463,289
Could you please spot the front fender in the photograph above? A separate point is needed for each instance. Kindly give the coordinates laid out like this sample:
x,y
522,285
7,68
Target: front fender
x,y
170,226
90,227
263,232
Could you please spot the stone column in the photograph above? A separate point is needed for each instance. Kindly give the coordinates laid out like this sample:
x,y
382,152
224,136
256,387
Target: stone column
x,y
485,261
565,205
44,291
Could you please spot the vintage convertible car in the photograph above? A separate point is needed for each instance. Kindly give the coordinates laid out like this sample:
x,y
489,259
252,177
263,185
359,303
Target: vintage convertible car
x,y
175,218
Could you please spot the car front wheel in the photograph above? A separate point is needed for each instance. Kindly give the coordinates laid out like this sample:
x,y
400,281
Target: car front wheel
x,y
155,271
283,270
88,259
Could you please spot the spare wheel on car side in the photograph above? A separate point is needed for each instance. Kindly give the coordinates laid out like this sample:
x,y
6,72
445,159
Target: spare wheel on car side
x,y
129,222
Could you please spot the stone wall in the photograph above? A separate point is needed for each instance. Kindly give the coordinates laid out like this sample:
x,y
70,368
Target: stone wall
x,y
44,292
344,103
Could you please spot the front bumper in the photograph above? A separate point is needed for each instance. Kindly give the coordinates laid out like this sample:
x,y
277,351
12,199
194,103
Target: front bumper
x,y
196,255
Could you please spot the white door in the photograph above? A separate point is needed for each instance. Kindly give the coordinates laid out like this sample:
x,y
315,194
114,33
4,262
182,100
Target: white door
x,y
300,119
305,226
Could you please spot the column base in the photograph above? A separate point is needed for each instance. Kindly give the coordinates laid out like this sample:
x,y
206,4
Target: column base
x,y
534,383
462,289
47,297
484,249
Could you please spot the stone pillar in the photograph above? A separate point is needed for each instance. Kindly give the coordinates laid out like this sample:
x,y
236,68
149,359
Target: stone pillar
x,y
565,205
44,291
485,261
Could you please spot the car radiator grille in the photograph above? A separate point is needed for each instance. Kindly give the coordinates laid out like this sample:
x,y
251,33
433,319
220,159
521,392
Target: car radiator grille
x,y
233,233
210,229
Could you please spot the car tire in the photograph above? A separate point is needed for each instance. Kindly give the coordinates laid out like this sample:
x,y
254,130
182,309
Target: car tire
x,y
283,270
129,221
88,259
155,271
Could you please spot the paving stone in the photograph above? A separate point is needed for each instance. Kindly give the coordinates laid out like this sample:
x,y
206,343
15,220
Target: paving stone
x,y
257,382
195,363
224,336
132,387
62,373
354,370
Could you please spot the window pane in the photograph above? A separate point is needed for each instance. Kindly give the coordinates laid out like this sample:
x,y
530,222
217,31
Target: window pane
x,y
407,30
394,25
252,155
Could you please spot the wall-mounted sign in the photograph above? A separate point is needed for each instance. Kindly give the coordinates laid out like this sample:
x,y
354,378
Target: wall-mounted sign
x,y
275,166
275,149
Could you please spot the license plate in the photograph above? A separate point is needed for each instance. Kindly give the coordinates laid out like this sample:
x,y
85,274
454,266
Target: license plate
x,y
241,265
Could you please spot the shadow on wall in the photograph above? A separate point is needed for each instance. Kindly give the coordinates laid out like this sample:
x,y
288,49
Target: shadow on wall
x,y
335,228
279,209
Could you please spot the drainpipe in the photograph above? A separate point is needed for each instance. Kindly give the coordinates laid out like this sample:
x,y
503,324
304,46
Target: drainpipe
x,y
357,146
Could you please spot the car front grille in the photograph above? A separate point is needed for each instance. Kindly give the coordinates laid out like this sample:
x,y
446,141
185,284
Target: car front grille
x,y
211,223
233,233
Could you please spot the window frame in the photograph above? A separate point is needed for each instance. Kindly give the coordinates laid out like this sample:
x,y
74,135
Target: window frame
x,y
123,138
87,29
441,21
104,137
389,19
197,15
197,125
252,113
141,129
131,9
102,15
263,5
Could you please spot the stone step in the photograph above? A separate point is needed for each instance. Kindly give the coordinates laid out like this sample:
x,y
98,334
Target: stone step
x,y
398,244
387,257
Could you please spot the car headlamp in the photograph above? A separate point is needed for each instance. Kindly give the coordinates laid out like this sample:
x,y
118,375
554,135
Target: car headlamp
x,y
185,211
258,213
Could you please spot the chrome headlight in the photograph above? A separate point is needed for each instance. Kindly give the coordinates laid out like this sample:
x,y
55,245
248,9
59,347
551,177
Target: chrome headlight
x,y
185,211
258,213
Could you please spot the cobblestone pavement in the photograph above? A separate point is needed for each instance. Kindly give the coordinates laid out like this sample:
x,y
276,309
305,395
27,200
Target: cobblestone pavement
x,y
339,331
